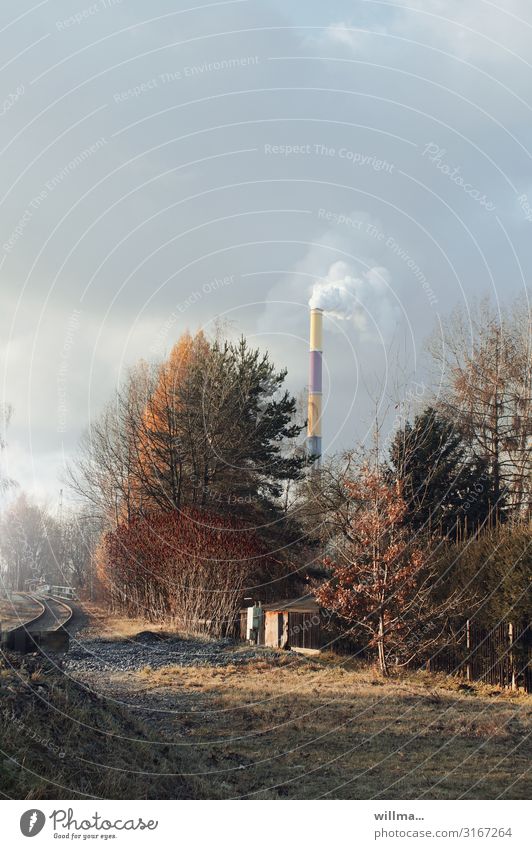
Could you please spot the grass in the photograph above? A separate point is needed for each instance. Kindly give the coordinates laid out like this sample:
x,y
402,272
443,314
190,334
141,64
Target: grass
x,y
281,727
60,741
12,615
306,730
112,626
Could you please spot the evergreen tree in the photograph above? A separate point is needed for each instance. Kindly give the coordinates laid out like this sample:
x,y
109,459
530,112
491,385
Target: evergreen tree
x,y
447,491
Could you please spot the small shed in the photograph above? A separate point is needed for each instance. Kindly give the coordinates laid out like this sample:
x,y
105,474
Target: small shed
x,y
291,624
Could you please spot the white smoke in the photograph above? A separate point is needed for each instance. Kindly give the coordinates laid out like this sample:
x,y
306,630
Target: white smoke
x,y
364,300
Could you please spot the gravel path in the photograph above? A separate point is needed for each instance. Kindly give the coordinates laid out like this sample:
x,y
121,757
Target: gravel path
x,y
149,649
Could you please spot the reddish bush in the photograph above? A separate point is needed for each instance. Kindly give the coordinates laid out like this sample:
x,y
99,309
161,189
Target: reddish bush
x,y
188,566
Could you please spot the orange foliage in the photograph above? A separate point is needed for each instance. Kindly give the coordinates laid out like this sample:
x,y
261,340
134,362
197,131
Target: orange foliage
x,y
375,575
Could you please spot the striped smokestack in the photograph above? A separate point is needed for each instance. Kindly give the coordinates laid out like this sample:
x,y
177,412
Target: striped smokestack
x,y
315,383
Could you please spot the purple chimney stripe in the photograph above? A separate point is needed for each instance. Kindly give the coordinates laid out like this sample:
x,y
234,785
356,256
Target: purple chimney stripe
x,y
315,380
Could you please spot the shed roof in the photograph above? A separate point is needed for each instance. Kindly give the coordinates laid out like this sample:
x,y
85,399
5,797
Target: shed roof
x,y
304,604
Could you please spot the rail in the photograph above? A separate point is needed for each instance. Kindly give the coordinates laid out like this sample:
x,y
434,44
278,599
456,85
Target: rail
x,y
67,607
28,636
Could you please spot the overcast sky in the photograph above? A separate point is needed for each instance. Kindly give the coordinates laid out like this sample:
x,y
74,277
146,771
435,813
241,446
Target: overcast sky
x,y
168,163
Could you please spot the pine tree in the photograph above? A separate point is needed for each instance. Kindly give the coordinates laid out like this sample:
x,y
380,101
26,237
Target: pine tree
x,y
446,490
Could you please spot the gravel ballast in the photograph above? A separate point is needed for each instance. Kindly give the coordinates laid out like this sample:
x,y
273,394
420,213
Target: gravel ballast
x,y
150,649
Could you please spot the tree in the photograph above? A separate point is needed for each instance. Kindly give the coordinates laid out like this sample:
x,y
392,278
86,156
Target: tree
x,y
5,417
106,474
485,373
157,427
446,490
381,579
216,423
209,427
492,572
28,543
497,565
77,539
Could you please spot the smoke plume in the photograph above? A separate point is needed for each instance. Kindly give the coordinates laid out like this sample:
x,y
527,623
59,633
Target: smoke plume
x,y
364,300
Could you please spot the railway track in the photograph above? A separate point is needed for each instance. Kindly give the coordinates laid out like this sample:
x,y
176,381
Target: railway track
x,y
55,614
51,616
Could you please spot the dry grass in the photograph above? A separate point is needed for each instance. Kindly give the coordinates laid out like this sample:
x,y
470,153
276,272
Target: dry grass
x,y
304,729
11,615
287,727
61,741
115,627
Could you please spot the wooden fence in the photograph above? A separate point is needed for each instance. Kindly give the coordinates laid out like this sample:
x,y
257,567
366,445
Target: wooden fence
x,y
304,630
501,656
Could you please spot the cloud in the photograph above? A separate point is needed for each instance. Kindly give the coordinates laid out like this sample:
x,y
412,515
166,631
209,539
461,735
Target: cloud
x,y
146,241
347,35
477,30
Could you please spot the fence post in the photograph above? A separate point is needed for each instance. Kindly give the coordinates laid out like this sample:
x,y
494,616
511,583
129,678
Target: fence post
x,y
468,647
511,659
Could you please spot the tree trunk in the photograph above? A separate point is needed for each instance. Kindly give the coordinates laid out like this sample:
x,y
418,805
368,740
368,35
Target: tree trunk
x,y
383,666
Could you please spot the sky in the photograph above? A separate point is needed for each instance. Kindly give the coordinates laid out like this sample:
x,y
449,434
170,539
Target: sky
x,y
171,164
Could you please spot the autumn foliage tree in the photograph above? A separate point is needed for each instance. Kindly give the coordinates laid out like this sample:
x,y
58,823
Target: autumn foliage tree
x,y
380,577
208,427
206,433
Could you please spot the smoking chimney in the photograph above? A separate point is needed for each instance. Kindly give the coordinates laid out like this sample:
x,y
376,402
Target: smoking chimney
x,y
315,383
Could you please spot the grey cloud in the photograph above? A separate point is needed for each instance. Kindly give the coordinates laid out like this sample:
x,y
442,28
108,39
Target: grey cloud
x,y
287,147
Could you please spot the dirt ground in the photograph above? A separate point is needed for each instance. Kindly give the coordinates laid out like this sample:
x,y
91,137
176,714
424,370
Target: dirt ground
x,y
294,727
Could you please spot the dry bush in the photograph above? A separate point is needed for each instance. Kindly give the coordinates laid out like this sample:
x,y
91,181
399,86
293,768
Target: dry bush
x,y
189,567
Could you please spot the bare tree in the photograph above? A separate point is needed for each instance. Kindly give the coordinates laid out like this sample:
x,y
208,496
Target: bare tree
x,y
485,374
28,543
107,473
78,538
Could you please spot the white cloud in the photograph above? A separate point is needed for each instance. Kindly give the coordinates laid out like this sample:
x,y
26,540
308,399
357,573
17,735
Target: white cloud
x,y
346,35
477,30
